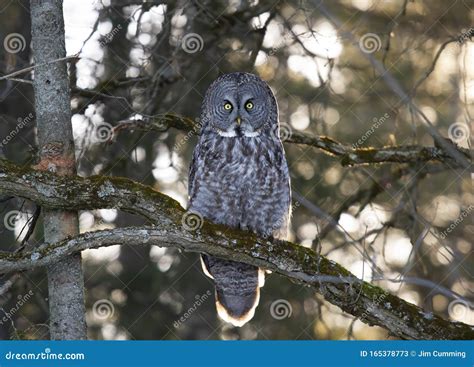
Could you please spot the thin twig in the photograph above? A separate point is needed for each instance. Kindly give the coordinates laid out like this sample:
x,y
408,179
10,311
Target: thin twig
x,y
32,67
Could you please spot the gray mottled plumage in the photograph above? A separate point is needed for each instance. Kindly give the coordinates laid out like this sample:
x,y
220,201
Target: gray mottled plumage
x,y
239,177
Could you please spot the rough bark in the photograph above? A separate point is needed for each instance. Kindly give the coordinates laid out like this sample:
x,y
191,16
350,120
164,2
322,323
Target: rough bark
x,y
371,304
56,154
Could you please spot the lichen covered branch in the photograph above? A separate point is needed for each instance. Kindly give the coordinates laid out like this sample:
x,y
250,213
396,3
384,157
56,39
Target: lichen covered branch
x,y
348,155
369,303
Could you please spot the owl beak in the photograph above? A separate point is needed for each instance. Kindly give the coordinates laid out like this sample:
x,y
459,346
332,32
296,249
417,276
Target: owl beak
x,y
238,120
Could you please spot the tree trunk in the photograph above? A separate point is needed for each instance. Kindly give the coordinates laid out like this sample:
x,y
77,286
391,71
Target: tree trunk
x,y
56,153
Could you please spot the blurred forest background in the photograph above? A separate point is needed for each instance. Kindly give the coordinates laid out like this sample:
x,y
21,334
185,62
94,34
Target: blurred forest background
x,y
387,223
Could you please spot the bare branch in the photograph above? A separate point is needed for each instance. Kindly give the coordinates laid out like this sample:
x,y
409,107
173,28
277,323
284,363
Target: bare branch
x,y
447,146
433,64
33,67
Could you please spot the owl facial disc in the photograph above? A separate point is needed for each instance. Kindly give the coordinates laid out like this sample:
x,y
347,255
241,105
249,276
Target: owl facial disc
x,y
240,105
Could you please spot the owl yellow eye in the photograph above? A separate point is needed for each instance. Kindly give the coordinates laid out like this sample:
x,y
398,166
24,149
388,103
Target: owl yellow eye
x,y
249,105
227,106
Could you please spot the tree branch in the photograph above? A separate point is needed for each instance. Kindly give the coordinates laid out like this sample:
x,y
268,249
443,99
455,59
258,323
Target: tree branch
x,y
445,144
348,155
370,303
73,58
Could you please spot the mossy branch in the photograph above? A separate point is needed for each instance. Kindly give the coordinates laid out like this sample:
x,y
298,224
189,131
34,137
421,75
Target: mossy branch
x,y
369,303
348,155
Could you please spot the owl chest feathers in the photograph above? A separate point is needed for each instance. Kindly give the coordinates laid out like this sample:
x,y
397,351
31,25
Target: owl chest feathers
x,y
241,182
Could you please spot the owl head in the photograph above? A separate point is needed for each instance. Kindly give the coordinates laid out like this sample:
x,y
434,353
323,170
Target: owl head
x,y
239,105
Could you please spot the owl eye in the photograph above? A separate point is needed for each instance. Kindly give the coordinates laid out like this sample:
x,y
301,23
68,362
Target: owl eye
x,y
227,106
249,105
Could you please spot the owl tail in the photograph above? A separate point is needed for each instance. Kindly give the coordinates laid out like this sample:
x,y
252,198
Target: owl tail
x,y
237,288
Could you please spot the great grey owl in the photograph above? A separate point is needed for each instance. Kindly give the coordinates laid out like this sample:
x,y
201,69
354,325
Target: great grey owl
x,y
239,177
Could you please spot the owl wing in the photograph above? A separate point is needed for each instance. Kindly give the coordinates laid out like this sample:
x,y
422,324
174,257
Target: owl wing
x,y
194,166
237,284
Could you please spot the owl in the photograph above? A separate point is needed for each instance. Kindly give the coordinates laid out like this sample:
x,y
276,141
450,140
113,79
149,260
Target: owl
x,y
239,177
